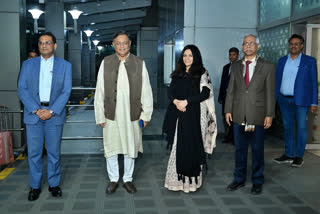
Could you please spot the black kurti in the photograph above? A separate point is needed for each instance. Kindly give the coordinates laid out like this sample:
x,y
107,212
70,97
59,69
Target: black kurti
x,y
190,152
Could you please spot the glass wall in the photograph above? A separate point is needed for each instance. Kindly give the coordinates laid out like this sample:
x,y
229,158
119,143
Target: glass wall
x,y
274,42
301,6
278,19
272,10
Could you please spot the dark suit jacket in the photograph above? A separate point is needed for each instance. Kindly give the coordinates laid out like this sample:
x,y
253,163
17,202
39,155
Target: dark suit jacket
x,y
305,86
224,83
256,102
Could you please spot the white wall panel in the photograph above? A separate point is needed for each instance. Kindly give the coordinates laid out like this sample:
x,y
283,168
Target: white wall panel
x,y
227,13
189,13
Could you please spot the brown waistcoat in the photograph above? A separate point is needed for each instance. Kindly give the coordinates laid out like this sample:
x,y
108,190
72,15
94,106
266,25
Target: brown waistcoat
x,y
133,66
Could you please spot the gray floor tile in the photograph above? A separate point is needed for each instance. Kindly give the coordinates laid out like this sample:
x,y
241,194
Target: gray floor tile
x,y
83,205
86,195
206,202
143,193
277,190
65,196
23,208
4,197
148,212
210,211
306,210
289,199
52,207
115,204
261,200
88,186
222,191
275,210
242,211
144,203
90,178
8,187
232,200
184,211
174,202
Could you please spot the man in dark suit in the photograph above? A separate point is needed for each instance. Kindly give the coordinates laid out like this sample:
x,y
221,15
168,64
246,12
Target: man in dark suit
x,y
233,57
44,88
250,104
296,93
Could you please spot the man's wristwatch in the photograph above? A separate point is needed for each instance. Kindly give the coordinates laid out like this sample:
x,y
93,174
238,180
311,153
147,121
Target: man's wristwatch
x,y
52,113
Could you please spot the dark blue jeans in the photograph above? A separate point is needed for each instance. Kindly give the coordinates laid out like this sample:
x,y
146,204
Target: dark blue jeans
x,y
242,140
292,113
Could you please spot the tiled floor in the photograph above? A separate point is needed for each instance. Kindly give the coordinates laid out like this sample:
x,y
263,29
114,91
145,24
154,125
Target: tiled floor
x,y
287,190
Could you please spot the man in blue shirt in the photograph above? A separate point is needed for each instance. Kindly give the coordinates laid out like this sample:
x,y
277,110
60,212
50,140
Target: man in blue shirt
x,y
44,88
296,93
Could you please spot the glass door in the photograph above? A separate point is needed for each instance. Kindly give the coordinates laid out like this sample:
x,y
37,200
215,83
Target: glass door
x,y
313,49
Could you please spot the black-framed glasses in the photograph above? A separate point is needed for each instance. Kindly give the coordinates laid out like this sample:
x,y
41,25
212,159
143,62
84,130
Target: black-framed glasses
x,y
45,43
295,44
250,44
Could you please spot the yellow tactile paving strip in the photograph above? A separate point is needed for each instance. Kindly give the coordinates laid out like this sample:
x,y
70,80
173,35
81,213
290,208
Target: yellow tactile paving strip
x,y
4,173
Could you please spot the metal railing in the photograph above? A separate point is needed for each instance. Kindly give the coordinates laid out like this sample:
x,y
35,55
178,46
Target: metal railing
x,y
68,105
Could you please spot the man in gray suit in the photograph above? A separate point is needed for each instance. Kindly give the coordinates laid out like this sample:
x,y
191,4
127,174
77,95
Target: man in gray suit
x,y
250,104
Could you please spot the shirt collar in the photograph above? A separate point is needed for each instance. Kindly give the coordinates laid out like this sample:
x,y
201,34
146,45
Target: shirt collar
x,y
124,59
48,60
298,58
254,60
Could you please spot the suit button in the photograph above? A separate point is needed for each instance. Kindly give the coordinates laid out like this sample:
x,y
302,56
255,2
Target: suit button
x,y
247,92
115,100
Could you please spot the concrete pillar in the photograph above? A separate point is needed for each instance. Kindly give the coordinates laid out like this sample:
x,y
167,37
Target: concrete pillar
x,y
91,77
54,22
147,43
85,64
13,46
74,57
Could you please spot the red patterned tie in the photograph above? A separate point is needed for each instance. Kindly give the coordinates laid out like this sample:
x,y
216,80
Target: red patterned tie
x,y
246,76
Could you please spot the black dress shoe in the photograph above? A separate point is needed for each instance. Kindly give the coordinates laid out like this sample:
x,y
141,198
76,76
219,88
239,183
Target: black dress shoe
x,y
256,189
111,188
235,185
55,191
34,194
129,186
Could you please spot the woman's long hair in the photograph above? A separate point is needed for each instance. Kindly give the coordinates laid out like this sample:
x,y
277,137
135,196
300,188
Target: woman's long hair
x,y
196,69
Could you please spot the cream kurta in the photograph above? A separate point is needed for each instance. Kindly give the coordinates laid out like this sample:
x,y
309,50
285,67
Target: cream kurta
x,y
123,136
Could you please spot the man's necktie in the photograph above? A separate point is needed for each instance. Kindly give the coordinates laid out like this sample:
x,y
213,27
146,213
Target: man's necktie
x,y
246,76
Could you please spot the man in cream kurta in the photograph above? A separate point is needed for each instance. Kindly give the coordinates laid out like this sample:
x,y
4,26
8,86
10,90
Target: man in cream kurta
x,y
122,134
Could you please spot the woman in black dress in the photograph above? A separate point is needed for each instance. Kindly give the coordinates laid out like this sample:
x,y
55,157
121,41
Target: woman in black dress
x,y
189,122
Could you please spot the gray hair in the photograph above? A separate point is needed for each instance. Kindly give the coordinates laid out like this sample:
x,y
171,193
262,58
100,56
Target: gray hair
x,y
257,39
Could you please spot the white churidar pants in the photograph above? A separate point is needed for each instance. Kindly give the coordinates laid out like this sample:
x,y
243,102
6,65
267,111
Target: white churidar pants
x,y
113,168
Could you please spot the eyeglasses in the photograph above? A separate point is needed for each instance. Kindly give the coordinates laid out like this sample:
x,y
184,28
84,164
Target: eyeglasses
x,y
45,43
295,44
250,44
118,44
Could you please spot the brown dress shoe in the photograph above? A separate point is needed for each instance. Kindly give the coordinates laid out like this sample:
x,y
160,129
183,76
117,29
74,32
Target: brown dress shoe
x,y
111,188
129,186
